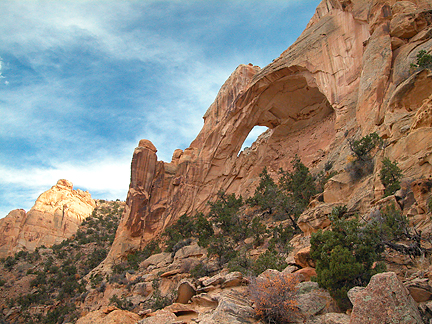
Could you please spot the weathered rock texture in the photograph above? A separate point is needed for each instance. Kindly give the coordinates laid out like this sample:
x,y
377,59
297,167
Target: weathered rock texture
x,y
384,300
54,217
347,75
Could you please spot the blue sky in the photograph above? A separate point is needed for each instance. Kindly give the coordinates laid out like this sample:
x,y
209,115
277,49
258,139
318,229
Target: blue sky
x,y
81,82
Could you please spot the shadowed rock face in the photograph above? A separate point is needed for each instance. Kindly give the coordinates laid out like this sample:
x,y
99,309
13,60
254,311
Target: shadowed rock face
x,y
55,216
347,74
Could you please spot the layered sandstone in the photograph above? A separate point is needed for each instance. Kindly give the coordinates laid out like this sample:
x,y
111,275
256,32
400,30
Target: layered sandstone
x,y
55,216
347,75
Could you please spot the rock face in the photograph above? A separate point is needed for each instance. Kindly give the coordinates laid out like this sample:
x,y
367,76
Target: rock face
x,y
55,216
384,300
347,75
109,315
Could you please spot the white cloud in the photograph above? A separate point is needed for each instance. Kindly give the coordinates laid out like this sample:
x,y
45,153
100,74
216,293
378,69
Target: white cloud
x,y
107,178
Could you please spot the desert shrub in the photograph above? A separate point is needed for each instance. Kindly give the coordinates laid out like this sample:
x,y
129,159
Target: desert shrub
x,y
9,263
157,300
281,238
95,280
392,225
287,198
242,262
203,230
266,193
200,270
270,259
61,314
362,147
179,245
424,61
345,255
274,298
362,164
182,229
299,184
258,230
224,213
122,303
96,257
134,258
222,246
390,176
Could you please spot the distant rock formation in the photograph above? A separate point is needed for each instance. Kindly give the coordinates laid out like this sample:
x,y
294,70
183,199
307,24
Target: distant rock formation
x,y
54,217
347,75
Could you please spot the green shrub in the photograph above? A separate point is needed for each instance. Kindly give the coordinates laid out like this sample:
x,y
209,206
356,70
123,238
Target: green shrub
x,y
362,148
363,164
266,194
290,196
281,239
345,255
390,176
270,259
199,271
224,212
243,263
122,303
424,60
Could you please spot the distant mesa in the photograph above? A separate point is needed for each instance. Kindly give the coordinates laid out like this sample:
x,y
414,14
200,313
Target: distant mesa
x,y
55,216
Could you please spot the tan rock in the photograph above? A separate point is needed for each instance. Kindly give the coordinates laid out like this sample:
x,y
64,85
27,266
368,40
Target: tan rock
x,y
385,299
314,219
185,291
109,315
55,216
160,317
303,258
421,190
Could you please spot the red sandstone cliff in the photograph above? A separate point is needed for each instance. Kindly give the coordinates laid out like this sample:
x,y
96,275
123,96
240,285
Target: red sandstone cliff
x,y
347,75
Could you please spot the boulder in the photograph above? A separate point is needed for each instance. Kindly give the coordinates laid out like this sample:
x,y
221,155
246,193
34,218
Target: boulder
x,y
234,307
306,273
419,289
303,258
312,300
185,291
384,300
109,315
159,317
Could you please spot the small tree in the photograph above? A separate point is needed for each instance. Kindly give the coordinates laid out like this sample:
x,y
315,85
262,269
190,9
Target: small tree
x,y
345,255
266,194
390,176
363,162
362,147
424,60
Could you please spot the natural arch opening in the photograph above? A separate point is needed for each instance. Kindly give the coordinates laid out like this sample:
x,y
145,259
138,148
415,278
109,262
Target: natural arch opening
x,y
253,136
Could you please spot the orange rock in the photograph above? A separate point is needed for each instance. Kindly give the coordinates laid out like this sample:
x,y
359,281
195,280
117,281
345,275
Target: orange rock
x,y
55,216
307,273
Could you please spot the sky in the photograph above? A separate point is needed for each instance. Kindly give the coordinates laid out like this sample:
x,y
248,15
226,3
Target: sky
x,y
82,81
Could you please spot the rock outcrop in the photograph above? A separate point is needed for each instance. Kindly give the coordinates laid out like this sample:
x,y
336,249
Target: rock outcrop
x,y
54,217
347,75
384,300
